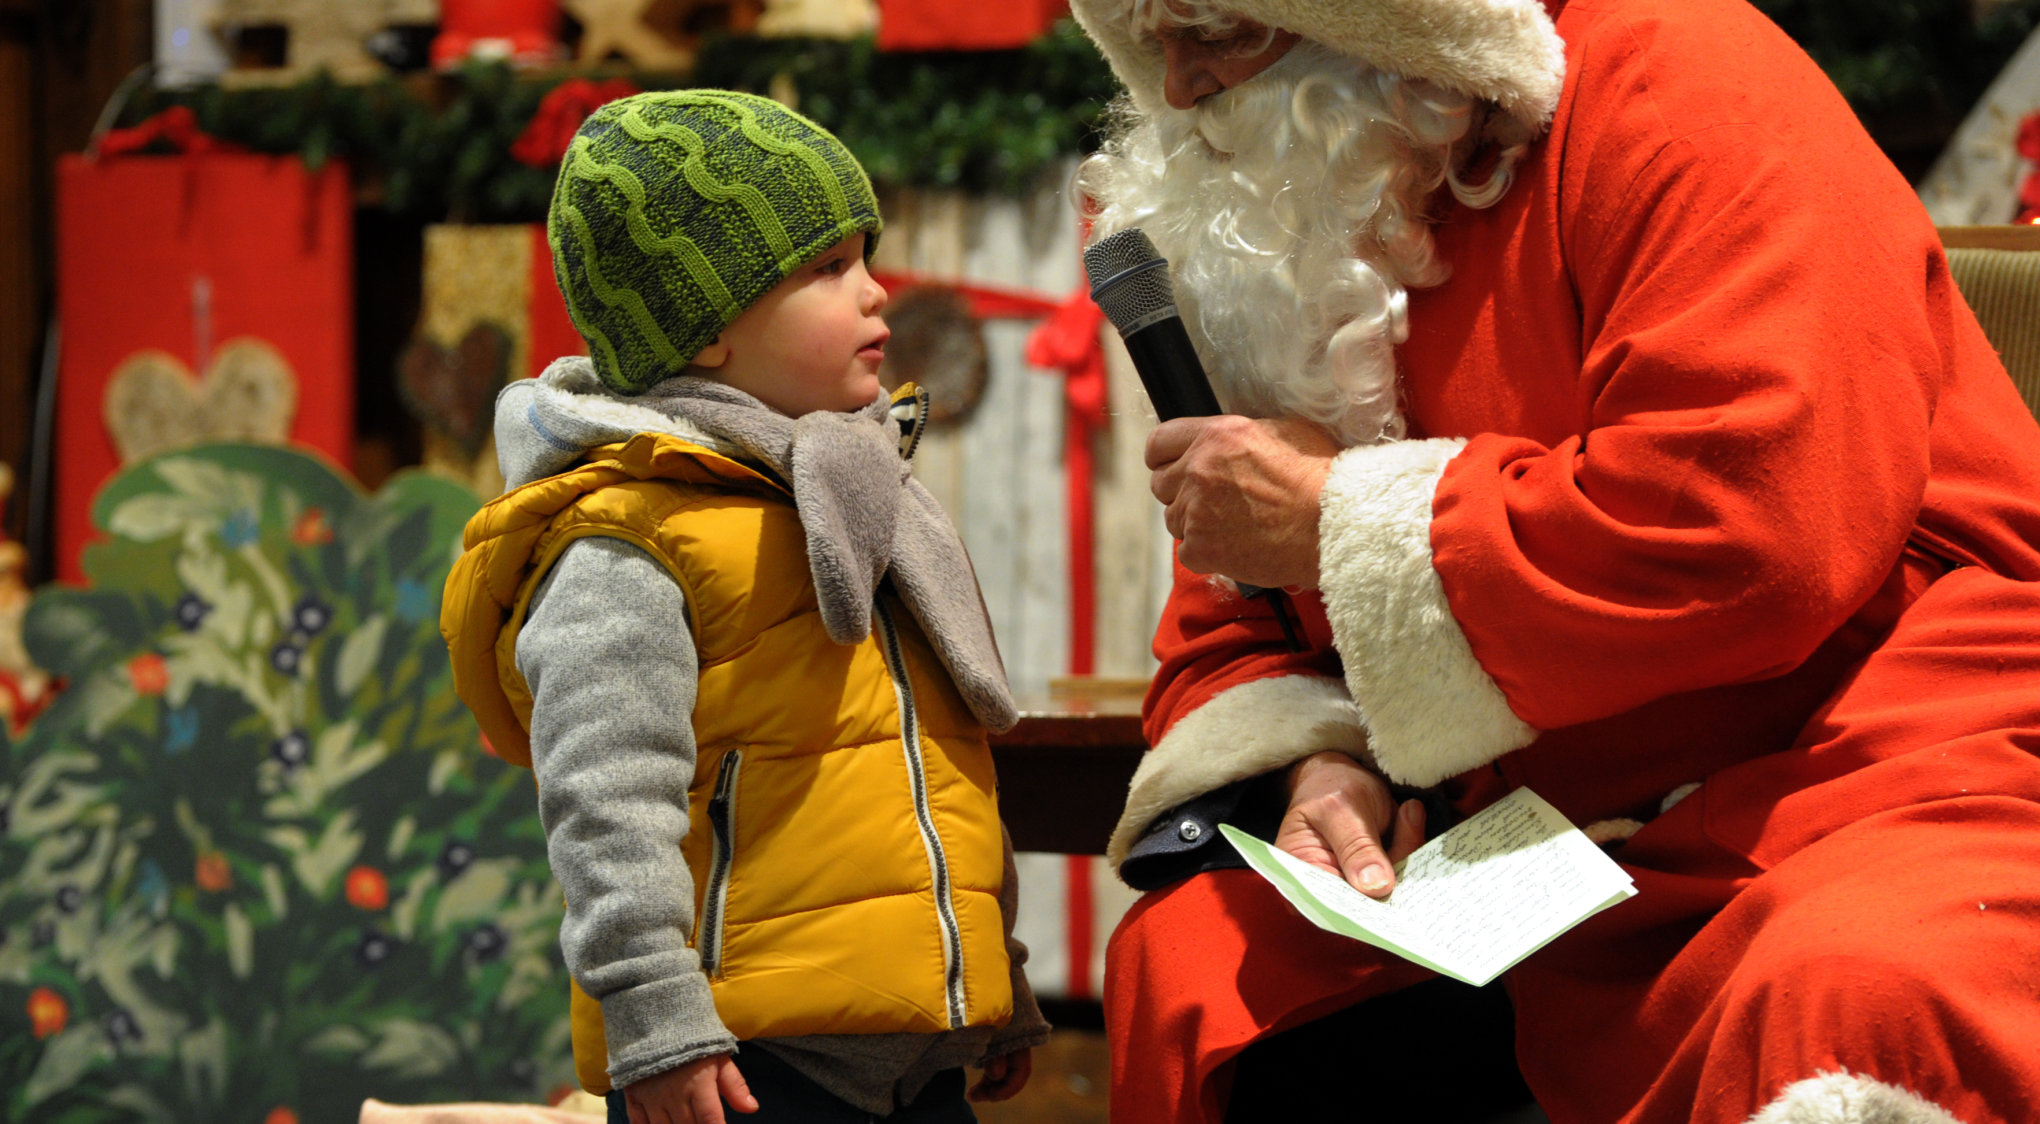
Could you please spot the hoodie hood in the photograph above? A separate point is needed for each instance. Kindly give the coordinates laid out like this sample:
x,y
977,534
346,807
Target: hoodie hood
x,y
547,423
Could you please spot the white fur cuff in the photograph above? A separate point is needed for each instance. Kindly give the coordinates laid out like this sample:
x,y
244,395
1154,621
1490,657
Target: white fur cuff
x,y
1432,711
1846,1098
1241,732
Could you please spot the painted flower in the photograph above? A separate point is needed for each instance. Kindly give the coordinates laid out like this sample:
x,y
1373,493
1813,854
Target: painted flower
x,y
367,888
69,898
311,615
191,611
455,857
152,886
487,942
213,873
240,529
286,657
416,600
47,1012
180,730
149,673
281,1114
292,749
373,949
121,1028
312,528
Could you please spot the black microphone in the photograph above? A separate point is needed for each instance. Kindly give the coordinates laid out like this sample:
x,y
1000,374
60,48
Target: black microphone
x,y
1130,284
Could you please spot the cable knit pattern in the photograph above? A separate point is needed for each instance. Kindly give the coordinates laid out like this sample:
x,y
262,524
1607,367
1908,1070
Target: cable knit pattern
x,y
1431,711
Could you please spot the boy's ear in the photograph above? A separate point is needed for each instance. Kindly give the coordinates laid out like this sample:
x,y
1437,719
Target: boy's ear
x,y
714,355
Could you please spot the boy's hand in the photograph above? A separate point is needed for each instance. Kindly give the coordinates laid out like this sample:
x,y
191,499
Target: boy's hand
x,y
691,1094
1004,1076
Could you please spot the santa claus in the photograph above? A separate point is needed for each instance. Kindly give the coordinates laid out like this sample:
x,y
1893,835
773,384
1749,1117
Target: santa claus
x,y
1602,397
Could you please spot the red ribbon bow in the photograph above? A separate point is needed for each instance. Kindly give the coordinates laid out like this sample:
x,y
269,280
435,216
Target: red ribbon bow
x,y
544,141
176,127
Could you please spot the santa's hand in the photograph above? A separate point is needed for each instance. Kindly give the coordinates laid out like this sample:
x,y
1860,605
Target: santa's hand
x,y
1340,816
1242,494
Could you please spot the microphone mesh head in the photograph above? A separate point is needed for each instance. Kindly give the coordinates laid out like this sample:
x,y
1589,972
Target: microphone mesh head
x,y
1135,300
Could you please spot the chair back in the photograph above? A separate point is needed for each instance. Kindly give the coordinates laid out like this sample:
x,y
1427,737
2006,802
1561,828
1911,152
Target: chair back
x,y
1998,270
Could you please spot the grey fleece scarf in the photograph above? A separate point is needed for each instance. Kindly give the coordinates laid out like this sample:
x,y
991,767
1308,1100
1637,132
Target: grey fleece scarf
x,y
865,517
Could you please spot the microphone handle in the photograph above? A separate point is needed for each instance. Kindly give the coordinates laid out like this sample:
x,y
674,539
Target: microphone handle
x,y
1176,384
1170,370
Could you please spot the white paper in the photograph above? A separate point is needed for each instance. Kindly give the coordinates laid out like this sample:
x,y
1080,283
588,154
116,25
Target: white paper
x,y
1470,903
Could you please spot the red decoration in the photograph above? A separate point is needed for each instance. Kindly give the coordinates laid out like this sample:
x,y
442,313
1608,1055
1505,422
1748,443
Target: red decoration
x,y
47,1012
367,888
149,674
175,129
552,331
945,25
523,31
212,872
177,256
544,141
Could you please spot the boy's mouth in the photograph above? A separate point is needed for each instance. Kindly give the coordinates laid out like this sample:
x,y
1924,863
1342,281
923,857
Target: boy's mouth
x,y
875,350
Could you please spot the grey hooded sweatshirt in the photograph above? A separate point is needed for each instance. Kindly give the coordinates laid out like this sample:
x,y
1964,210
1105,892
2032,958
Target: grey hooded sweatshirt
x,y
611,664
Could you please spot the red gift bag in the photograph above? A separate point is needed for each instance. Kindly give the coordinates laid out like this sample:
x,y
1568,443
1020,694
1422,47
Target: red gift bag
x,y
207,295
945,25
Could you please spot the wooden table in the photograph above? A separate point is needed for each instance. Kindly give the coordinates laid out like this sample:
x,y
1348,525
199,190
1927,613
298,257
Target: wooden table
x,y
1063,770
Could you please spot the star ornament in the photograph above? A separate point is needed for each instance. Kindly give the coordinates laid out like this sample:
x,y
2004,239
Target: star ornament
x,y
618,27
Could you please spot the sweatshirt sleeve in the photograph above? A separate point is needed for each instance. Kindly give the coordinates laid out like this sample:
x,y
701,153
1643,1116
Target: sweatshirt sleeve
x,y
612,669
1028,1027
1759,370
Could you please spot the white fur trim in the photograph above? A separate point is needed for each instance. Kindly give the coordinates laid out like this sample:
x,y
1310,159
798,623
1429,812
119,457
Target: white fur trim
x,y
1503,51
1432,711
1848,1098
1241,732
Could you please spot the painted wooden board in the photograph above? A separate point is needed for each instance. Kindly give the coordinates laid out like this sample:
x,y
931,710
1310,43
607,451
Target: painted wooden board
x,y
1976,180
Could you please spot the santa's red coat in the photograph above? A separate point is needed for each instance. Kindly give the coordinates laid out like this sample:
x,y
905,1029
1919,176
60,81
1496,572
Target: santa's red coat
x,y
1718,482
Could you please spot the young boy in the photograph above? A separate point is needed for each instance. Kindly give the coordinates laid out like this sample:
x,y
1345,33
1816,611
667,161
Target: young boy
x,y
742,650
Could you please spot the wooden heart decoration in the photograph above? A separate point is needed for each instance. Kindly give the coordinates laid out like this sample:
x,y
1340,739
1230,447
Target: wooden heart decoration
x,y
452,391
153,402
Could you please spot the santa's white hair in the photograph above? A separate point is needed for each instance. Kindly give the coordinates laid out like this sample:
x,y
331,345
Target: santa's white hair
x,y
1291,209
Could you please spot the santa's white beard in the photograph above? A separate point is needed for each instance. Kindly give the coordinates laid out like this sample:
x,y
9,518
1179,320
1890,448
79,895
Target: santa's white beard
x,y
1291,211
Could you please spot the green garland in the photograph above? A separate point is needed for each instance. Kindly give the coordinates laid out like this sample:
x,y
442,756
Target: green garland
x,y
438,148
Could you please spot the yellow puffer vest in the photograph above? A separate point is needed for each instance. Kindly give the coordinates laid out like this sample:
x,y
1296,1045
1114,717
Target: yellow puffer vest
x,y
845,841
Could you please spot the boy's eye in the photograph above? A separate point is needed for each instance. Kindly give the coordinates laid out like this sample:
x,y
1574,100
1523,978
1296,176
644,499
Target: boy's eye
x,y
831,265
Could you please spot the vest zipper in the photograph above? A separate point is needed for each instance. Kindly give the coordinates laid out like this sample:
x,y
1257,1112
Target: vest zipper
x,y
722,822
938,861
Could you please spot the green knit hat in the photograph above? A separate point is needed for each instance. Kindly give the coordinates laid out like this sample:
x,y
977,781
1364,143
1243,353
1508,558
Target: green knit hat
x,y
674,211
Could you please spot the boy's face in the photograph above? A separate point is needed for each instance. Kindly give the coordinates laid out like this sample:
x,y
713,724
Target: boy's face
x,y
813,343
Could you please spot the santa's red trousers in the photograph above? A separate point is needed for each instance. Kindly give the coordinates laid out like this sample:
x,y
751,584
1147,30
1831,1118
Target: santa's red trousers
x,y
1868,901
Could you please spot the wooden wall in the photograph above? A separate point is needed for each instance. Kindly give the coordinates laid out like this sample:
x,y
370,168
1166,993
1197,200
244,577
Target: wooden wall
x,y
1000,473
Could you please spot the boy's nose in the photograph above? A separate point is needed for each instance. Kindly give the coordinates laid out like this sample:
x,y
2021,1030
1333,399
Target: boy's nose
x,y
875,297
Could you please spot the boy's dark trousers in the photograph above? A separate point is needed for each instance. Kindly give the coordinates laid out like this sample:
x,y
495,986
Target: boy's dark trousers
x,y
786,1097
